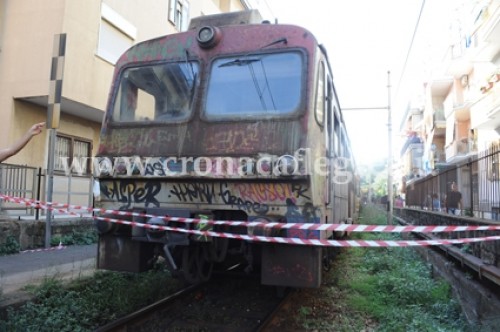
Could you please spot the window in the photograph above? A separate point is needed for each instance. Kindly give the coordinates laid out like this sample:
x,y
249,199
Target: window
x,y
116,35
72,153
319,111
255,86
336,136
178,14
163,92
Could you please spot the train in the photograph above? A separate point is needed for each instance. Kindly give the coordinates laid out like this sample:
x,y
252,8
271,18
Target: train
x,y
214,137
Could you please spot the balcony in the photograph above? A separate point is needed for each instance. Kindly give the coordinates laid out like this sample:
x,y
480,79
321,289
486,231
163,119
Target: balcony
x,y
460,149
438,156
486,39
438,118
412,158
485,113
462,111
440,86
457,61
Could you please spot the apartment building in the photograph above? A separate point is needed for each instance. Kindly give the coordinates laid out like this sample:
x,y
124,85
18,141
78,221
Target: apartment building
x,y
97,32
459,115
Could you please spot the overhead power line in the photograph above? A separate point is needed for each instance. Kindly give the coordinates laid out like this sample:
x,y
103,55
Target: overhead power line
x,y
410,47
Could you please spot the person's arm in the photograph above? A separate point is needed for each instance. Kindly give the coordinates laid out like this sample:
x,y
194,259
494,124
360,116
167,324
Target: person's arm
x,y
21,142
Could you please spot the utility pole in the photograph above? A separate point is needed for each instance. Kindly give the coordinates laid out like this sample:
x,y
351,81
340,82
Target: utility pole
x,y
53,116
390,200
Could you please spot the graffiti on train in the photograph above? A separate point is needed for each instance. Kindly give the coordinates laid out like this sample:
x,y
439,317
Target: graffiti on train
x,y
129,191
149,140
254,198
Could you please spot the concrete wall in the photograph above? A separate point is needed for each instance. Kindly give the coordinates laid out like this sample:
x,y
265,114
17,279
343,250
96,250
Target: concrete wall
x,y
31,234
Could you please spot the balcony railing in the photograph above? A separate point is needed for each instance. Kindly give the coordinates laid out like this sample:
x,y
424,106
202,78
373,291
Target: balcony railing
x,y
413,155
455,59
439,115
460,148
439,156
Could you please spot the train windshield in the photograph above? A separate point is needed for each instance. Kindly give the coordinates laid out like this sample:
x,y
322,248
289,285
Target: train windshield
x,y
160,92
255,86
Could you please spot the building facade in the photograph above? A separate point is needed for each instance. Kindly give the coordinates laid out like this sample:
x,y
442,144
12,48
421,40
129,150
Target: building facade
x,y
459,115
97,32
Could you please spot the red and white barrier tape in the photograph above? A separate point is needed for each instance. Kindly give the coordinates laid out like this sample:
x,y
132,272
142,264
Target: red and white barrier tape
x,y
59,247
66,208
314,242
297,241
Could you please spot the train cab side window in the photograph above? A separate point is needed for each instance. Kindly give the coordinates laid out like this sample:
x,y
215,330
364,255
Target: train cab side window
x,y
343,142
257,86
319,110
156,93
336,136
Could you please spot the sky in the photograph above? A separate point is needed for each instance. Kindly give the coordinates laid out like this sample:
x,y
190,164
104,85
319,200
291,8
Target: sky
x,y
366,39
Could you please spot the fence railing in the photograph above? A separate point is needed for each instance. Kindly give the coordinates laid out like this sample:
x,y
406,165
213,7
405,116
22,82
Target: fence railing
x,y
19,181
30,183
477,178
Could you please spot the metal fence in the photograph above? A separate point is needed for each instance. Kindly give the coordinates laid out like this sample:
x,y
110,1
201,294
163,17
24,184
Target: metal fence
x,y
477,177
19,181
30,183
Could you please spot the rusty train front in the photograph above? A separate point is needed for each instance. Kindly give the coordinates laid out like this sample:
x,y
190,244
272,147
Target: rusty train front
x,y
224,122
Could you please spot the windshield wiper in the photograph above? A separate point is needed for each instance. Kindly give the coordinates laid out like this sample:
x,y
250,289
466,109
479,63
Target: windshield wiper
x,y
239,62
245,62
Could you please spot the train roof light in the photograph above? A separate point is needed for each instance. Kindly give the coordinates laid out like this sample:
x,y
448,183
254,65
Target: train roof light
x,y
208,36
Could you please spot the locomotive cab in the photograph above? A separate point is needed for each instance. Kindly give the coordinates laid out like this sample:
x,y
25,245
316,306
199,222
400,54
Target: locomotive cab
x,y
215,138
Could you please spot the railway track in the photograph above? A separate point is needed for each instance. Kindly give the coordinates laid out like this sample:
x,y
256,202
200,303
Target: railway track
x,y
224,304
475,283
466,260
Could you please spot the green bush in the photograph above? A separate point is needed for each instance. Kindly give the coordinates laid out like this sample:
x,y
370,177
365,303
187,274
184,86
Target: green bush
x,y
75,238
11,246
88,303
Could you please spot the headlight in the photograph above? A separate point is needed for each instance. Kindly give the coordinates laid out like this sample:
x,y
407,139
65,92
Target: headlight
x,y
286,165
105,167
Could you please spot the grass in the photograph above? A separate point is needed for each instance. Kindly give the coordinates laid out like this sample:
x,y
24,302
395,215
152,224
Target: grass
x,y
383,289
395,288
379,289
88,303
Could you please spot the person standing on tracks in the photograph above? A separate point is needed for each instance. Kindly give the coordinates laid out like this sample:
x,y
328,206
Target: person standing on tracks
x,y
21,142
453,201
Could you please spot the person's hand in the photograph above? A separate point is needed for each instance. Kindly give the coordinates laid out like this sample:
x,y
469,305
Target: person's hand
x,y
36,128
